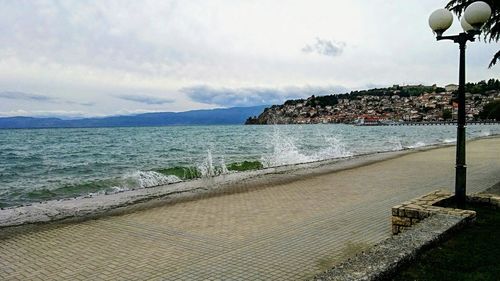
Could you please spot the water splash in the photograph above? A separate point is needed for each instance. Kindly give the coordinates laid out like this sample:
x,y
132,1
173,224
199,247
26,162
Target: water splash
x,y
209,169
394,144
117,189
284,151
417,145
144,179
224,169
484,133
335,149
206,168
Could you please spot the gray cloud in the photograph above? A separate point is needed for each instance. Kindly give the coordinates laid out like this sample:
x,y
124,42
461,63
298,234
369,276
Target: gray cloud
x,y
81,103
22,96
325,47
26,96
146,99
254,96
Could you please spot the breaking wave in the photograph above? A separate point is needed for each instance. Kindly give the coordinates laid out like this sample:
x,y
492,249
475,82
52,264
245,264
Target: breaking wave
x,y
130,181
417,145
394,144
144,179
484,133
284,151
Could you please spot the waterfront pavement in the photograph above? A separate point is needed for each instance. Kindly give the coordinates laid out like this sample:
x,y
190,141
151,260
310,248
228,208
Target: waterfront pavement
x,y
287,231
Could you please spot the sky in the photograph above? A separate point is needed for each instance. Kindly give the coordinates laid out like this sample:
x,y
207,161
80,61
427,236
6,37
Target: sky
x,y
79,58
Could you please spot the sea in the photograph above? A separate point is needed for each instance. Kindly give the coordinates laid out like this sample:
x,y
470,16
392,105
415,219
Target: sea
x,y
47,164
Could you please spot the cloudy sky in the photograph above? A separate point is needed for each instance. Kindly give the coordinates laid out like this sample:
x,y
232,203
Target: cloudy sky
x,y
104,57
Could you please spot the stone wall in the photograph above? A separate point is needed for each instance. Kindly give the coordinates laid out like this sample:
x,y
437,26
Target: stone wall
x,y
411,212
491,200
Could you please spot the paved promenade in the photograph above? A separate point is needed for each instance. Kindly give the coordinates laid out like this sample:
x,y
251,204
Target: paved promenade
x,y
288,231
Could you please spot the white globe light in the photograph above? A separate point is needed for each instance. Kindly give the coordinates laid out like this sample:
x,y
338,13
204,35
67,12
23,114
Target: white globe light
x,y
440,20
465,25
477,13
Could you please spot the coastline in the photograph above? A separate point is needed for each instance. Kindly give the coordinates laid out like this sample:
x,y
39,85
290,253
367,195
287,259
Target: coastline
x,y
91,207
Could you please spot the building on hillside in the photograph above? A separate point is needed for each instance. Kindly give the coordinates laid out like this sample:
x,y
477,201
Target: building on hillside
x,y
451,87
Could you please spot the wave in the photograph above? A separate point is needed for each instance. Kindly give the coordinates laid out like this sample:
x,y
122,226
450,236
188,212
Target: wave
x,y
130,181
144,179
417,145
394,144
484,133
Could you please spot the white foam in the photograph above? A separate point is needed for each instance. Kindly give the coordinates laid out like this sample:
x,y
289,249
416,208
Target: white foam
x,y
224,169
395,143
138,179
285,151
118,189
335,149
416,145
484,133
208,168
144,179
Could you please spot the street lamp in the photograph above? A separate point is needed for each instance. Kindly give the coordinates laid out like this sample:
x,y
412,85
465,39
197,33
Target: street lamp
x,y
474,17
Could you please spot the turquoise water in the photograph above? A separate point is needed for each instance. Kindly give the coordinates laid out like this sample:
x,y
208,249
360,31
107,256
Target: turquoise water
x,y
44,164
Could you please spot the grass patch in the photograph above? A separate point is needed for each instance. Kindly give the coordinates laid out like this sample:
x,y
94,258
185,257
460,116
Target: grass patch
x,y
471,254
245,166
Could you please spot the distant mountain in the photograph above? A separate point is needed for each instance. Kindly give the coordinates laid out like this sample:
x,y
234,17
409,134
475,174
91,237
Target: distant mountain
x,y
221,116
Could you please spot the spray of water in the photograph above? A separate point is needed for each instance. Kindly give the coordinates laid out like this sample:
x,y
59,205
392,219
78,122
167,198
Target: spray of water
x,y
208,168
334,149
417,144
284,151
395,143
146,179
484,133
138,179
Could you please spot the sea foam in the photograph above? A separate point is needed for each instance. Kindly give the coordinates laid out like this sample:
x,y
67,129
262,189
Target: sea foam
x,y
144,179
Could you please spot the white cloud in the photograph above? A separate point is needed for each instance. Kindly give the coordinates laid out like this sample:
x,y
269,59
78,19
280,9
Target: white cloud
x,y
91,52
325,47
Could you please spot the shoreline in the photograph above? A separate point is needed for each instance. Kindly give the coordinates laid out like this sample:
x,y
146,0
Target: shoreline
x,y
93,169
91,207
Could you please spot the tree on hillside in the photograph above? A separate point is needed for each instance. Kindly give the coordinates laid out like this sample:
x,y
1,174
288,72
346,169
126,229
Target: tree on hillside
x,y
491,111
447,114
491,29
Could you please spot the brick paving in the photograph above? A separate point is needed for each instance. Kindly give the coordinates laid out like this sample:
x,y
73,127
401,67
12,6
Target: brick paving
x,y
288,231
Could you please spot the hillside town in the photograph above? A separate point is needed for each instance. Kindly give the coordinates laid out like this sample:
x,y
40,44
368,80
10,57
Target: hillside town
x,y
396,104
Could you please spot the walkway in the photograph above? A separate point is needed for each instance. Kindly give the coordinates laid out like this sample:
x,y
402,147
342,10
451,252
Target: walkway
x,y
284,232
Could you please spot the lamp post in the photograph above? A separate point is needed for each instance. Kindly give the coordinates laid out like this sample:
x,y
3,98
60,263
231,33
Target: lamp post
x,y
474,17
